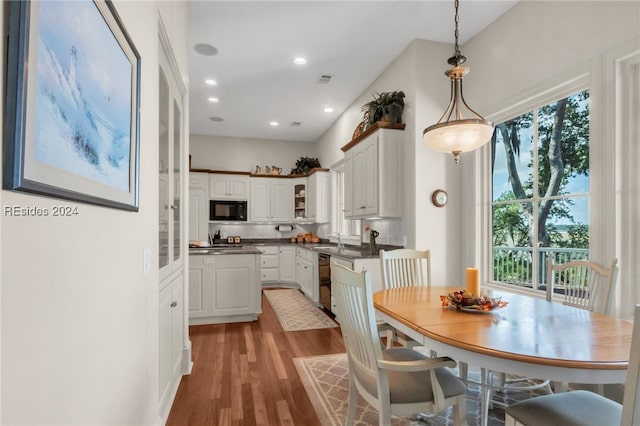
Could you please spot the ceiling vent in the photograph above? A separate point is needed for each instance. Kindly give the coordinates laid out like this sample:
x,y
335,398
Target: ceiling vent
x,y
296,124
325,78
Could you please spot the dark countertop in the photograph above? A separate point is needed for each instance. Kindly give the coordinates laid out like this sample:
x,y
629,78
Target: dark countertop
x,y
324,246
245,249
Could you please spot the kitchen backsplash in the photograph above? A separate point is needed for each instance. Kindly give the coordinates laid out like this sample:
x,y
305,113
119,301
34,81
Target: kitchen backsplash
x,y
391,231
256,231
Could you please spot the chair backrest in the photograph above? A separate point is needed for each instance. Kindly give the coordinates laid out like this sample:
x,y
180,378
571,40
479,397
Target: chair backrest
x,y
631,399
354,303
585,284
405,267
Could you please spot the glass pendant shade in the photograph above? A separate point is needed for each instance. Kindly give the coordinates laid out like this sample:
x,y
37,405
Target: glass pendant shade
x,y
458,136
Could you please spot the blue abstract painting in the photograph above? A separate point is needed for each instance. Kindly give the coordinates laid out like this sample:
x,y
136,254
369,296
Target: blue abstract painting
x,y
82,95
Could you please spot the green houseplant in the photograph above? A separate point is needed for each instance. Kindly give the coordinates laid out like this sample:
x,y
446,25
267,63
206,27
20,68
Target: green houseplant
x,y
304,165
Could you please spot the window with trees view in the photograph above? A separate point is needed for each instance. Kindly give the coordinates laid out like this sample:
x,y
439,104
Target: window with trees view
x,y
540,190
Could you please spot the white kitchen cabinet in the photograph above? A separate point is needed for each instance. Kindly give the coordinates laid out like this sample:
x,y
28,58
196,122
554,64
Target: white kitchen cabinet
x,y
170,311
287,262
174,353
367,264
270,200
269,264
225,288
300,200
307,273
318,200
374,175
198,206
348,184
229,186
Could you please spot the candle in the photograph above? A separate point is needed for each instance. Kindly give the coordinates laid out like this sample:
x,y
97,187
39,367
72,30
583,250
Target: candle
x,y
473,281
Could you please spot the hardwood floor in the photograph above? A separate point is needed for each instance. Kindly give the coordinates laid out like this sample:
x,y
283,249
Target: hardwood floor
x,y
244,374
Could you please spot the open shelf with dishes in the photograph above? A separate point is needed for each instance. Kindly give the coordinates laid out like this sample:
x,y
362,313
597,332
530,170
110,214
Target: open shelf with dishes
x,y
299,201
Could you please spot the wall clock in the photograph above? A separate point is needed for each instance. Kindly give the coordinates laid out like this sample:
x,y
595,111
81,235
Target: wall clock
x,y
439,197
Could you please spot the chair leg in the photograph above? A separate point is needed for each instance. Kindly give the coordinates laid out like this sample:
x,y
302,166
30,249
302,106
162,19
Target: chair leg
x,y
460,411
463,369
353,402
384,413
390,338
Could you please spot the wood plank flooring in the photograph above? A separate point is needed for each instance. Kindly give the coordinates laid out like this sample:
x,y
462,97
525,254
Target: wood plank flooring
x,y
244,374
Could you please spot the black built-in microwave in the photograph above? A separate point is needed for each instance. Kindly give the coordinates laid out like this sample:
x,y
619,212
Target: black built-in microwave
x,y
228,210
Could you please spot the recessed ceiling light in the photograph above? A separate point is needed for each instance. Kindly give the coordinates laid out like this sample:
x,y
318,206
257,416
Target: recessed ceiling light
x,y
300,61
274,123
216,118
210,82
214,100
205,49
328,109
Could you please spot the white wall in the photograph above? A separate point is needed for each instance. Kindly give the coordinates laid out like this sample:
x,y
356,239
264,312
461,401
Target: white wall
x,y
243,154
79,318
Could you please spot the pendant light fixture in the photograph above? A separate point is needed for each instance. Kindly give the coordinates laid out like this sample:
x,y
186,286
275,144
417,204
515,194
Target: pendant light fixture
x,y
454,133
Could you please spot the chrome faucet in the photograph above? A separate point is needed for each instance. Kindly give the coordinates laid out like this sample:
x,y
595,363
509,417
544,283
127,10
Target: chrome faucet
x,y
338,237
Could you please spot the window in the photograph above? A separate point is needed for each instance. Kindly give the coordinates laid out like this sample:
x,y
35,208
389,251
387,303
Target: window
x,y
540,190
349,229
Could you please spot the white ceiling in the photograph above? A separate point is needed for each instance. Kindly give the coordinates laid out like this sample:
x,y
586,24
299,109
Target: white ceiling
x,y
354,41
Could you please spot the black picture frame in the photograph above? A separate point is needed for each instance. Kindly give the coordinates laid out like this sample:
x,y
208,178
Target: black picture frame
x,y
72,104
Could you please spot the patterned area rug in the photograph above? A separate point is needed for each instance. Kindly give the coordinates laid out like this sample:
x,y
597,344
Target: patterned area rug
x,y
326,380
296,312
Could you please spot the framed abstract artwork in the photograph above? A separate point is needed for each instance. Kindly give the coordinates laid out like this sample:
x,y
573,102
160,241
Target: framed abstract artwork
x,y
72,103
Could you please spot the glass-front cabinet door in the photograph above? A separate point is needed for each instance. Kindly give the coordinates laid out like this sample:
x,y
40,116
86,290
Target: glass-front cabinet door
x,y
170,155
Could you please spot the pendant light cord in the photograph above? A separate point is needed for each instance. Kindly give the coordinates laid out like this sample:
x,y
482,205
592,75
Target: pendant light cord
x,y
457,58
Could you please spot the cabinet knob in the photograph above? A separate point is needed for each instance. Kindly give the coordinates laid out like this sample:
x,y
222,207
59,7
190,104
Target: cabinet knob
x,y
174,304
363,207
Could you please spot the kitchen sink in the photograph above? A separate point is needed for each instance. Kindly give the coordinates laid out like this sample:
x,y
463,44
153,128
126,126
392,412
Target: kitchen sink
x,y
343,252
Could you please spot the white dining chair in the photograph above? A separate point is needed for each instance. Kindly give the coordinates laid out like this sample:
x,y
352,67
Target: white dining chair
x,y
582,407
398,381
403,268
584,284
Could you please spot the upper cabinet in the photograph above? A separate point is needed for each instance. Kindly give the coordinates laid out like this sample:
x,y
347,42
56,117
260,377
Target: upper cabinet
x,y
270,200
228,186
170,161
198,206
373,174
318,198
300,206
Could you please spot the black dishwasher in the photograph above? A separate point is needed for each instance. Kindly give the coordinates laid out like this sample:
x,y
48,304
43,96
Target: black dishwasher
x,y
324,275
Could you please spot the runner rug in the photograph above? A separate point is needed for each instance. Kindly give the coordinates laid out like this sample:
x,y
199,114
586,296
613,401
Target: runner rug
x,y
326,380
295,312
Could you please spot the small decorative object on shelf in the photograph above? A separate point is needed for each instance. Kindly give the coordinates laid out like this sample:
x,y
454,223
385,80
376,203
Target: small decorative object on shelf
x,y
465,301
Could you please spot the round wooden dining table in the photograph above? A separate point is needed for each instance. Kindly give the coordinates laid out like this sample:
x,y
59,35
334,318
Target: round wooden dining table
x,y
528,337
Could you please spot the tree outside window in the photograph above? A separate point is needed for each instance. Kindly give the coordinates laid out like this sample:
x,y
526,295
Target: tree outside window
x,y
540,190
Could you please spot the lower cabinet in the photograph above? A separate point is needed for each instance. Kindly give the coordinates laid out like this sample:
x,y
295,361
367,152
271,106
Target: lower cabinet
x,y
367,264
269,264
287,261
224,288
307,273
171,339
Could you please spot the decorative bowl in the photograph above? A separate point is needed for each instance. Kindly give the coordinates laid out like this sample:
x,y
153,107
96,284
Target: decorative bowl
x,y
466,301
